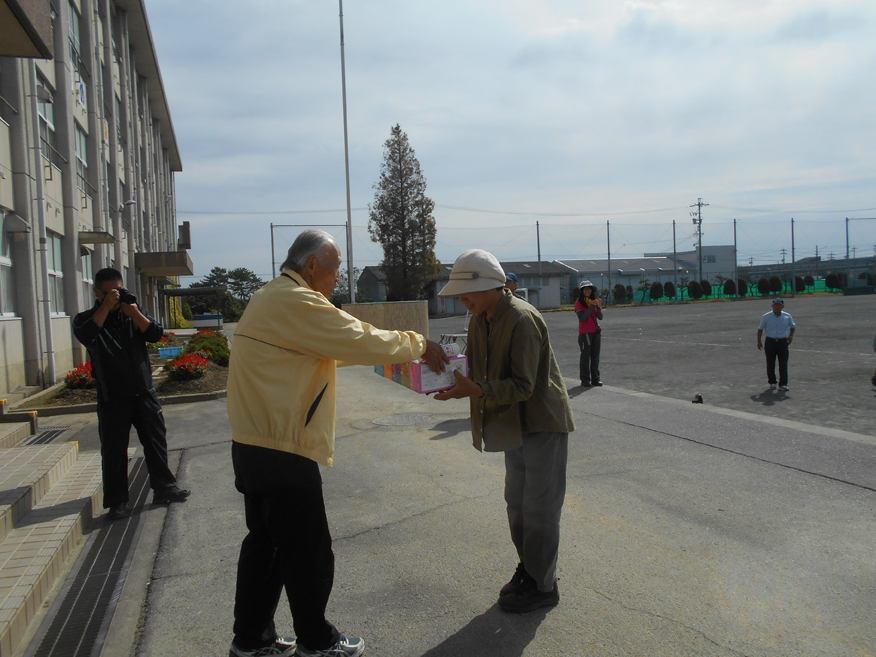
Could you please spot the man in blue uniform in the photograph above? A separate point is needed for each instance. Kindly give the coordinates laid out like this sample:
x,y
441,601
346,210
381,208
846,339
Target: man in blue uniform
x,y
779,327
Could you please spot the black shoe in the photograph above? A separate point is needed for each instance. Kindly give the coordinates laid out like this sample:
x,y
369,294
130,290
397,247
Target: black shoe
x,y
598,383
117,512
873,380
170,494
280,648
529,598
585,384
520,578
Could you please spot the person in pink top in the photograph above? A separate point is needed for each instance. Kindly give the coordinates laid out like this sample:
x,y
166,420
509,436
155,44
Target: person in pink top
x,y
588,307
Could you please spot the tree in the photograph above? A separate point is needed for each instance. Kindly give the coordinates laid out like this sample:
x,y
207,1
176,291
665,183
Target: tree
x,y
763,286
644,286
243,283
835,281
799,285
694,290
775,284
669,289
619,293
809,280
719,280
630,296
743,287
706,288
683,285
342,291
656,290
401,220
729,287
222,302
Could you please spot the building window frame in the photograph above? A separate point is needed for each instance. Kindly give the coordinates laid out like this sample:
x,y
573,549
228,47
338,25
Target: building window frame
x,y
7,274
54,244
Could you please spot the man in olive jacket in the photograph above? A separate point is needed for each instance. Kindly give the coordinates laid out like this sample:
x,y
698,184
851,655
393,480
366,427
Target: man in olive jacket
x,y
281,403
519,406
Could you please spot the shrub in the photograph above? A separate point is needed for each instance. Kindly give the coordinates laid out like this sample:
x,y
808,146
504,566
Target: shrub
x,y
809,281
80,377
215,345
619,293
694,290
729,287
706,287
743,287
166,340
187,367
776,284
656,290
763,286
187,311
799,284
669,289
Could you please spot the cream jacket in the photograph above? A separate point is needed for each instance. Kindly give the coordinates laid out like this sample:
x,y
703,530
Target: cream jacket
x,y
282,372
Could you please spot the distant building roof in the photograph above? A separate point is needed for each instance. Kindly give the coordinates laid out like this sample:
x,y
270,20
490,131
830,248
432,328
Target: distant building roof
x,y
376,272
625,264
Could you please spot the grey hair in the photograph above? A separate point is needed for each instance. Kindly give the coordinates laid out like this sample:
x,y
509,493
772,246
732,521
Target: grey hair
x,y
308,243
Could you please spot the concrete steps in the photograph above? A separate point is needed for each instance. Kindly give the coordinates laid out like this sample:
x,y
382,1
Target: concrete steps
x,y
48,495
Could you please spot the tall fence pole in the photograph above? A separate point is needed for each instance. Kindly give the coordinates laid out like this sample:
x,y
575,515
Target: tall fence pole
x,y
735,260
273,262
351,283
608,243
674,261
793,267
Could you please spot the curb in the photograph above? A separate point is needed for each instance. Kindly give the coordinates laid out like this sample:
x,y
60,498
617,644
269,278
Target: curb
x,y
49,411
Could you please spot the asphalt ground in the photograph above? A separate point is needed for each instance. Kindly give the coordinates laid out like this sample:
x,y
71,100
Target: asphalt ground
x,y
687,529
710,348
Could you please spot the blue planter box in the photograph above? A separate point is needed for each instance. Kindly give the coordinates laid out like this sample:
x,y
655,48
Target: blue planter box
x,y
169,352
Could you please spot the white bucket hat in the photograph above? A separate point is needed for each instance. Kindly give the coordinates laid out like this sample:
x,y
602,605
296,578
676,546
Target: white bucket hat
x,y
475,270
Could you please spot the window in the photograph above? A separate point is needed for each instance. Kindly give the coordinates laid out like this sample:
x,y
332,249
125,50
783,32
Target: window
x,y
81,159
7,288
711,259
56,272
46,111
87,274
75,39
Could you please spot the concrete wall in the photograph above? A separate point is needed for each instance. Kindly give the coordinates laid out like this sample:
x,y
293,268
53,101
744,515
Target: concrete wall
x,y
393,315
12,374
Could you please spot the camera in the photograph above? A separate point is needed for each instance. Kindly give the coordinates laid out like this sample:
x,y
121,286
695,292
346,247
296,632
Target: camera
x,y
125,296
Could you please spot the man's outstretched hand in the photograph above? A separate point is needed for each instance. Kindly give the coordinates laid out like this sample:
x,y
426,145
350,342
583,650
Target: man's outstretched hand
x,y
435,357
464,387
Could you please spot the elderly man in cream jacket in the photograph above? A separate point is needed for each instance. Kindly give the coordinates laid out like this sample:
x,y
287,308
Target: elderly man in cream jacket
x,y
281,403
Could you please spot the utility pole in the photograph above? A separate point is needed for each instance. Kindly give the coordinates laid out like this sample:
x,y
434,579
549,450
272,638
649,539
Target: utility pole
x,y
735,260
698,221
608,251
793,267
538,243
674,262
783,255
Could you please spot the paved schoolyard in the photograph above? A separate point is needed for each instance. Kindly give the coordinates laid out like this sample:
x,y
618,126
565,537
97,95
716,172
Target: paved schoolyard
x,y
710,348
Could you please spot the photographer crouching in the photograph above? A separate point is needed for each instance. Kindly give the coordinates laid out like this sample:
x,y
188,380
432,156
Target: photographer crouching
x,y
115,332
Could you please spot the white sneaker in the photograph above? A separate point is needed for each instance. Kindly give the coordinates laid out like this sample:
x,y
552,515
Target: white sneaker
x,y
772,386
785,388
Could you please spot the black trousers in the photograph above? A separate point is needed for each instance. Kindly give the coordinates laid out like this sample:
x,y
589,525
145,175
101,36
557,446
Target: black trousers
x,y
590,344
776,348
288,546
114,421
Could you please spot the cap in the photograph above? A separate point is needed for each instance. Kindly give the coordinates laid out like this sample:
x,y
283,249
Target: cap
x,y
511,276
475,270
586,284
778,300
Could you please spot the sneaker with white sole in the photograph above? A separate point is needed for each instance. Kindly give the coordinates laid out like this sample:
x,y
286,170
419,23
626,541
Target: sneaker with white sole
x,y
347,646
772,386
279,648
784,388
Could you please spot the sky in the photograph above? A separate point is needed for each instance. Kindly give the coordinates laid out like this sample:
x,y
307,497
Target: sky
x,y
543,128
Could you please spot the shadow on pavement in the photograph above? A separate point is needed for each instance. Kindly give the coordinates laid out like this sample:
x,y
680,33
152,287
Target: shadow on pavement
x,y
770,397
450,428
578,390
493,633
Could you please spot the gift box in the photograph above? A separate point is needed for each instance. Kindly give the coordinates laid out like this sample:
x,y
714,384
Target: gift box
x,y
424,380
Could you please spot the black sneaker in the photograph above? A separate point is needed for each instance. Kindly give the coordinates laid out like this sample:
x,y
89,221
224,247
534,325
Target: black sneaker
x,y
170,494
117,512
529,598
585,384
347,646
279,648
598,384
520,577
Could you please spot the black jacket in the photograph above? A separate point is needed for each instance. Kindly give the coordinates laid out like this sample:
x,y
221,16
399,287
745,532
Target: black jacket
x,y
118,352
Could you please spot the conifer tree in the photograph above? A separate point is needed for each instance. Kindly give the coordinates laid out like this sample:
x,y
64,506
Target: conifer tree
x,y
401,221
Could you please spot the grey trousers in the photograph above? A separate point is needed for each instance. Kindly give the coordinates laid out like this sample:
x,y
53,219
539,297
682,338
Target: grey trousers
x,y
535,487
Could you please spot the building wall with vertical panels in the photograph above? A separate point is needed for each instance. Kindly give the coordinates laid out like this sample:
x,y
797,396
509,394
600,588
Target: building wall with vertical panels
x,y
88,135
